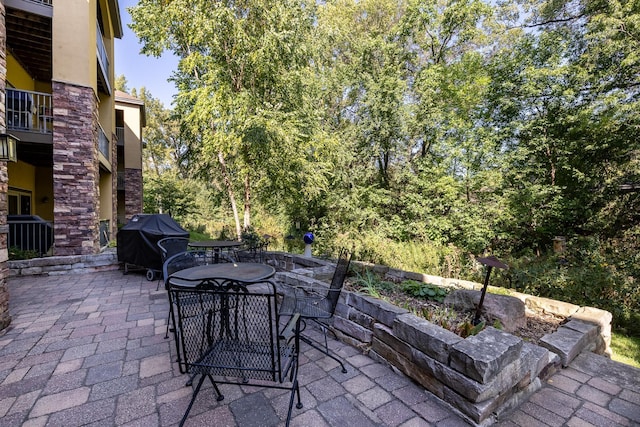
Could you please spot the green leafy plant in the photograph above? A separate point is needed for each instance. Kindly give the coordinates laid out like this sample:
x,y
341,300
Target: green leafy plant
x,y
370,283
467,329
424,290
16,253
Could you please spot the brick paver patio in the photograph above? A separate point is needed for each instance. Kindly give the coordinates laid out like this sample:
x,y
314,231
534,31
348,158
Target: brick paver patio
x,y
89,349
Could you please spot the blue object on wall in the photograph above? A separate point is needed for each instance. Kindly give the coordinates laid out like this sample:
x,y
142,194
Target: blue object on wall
x,y
308,238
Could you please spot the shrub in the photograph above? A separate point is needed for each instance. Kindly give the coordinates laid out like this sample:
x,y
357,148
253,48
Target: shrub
x,y
16,253
424,290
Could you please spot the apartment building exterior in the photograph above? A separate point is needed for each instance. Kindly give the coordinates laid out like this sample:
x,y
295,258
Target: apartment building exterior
x,y
57,97
130,119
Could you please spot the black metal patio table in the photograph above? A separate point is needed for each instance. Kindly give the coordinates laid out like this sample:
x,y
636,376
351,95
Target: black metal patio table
x,y
240,271
215,246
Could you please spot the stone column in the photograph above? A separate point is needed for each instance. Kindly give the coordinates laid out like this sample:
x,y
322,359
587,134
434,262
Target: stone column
x,y
5,318
75,170
113,229
133,192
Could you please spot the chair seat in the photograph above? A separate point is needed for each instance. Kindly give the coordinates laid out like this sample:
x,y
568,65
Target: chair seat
x,y
232,358
308,307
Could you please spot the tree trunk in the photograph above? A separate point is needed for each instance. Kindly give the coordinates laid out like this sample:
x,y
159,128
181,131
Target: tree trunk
x,y
230,192
247,202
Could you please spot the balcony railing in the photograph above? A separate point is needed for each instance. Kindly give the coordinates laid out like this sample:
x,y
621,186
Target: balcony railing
x,y
121,181
105,234
45,2
120,135
103,143
29,111
103,58
30,233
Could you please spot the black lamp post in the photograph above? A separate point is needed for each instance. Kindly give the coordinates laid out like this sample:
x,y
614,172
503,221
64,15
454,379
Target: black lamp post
x,y
489,262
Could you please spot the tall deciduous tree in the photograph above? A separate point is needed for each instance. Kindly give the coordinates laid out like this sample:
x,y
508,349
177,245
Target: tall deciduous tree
x,y
240,85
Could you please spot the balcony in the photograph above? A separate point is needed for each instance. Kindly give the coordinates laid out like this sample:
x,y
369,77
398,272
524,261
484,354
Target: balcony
x,y
29,111
29,35
120,136
103,62
103,143
121,181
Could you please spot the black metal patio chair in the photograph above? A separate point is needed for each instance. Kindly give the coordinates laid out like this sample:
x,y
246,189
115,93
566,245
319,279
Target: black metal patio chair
x,y
176,262
229,332
317,303
170,246
252,252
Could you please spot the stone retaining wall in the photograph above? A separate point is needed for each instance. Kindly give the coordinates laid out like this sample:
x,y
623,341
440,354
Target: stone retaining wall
x,y
56,265
483,375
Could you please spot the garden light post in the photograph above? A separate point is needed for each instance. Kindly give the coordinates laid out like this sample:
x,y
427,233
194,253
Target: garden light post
x,y
489,262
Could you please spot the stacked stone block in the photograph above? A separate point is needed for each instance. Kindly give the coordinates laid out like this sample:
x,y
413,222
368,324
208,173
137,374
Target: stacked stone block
x,y
481,376
75,170
133,192
5,318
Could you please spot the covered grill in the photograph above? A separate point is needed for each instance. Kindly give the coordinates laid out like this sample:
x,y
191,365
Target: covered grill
x,y
138,241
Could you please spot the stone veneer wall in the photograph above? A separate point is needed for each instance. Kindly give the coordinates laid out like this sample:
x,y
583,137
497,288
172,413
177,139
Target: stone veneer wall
x,y
5,318
482,376
133,192
75,170
113,229
59,265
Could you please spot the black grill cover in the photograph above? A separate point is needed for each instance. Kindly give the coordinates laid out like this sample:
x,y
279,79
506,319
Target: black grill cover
x,y
138,240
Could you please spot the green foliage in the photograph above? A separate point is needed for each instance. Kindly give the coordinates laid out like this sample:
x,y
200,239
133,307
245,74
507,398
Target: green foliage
x,y
16,253
445,317
592,273
167,194
370,283
467,329
424,290
626,349
422,133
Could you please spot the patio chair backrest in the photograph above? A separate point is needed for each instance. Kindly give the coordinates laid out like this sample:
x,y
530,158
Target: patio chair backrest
x,y
170,246
229,330
254,252
339,275
180,261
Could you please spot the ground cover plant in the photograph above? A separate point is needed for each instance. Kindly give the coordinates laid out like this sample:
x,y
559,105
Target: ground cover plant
x,y
426,300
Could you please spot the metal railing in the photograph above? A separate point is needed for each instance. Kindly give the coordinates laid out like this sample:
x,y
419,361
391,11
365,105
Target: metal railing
x,y
121,180
103,58
29,111
45,2
120,135
30,234
103,142
105,235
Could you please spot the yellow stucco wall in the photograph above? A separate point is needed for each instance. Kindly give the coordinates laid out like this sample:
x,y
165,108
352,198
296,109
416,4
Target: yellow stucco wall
x,y
132,135
17,75
106,194
36,180
23,175
74,43
44,201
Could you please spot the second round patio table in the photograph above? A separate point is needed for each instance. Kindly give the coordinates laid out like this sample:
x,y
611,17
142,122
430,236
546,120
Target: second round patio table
x,y
215,246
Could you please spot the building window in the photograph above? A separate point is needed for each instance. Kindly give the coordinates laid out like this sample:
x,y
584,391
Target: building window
x,y
19,202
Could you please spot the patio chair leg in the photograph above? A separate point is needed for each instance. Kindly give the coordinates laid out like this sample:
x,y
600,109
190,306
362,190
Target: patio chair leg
x,y
193,398
295,391
323,350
